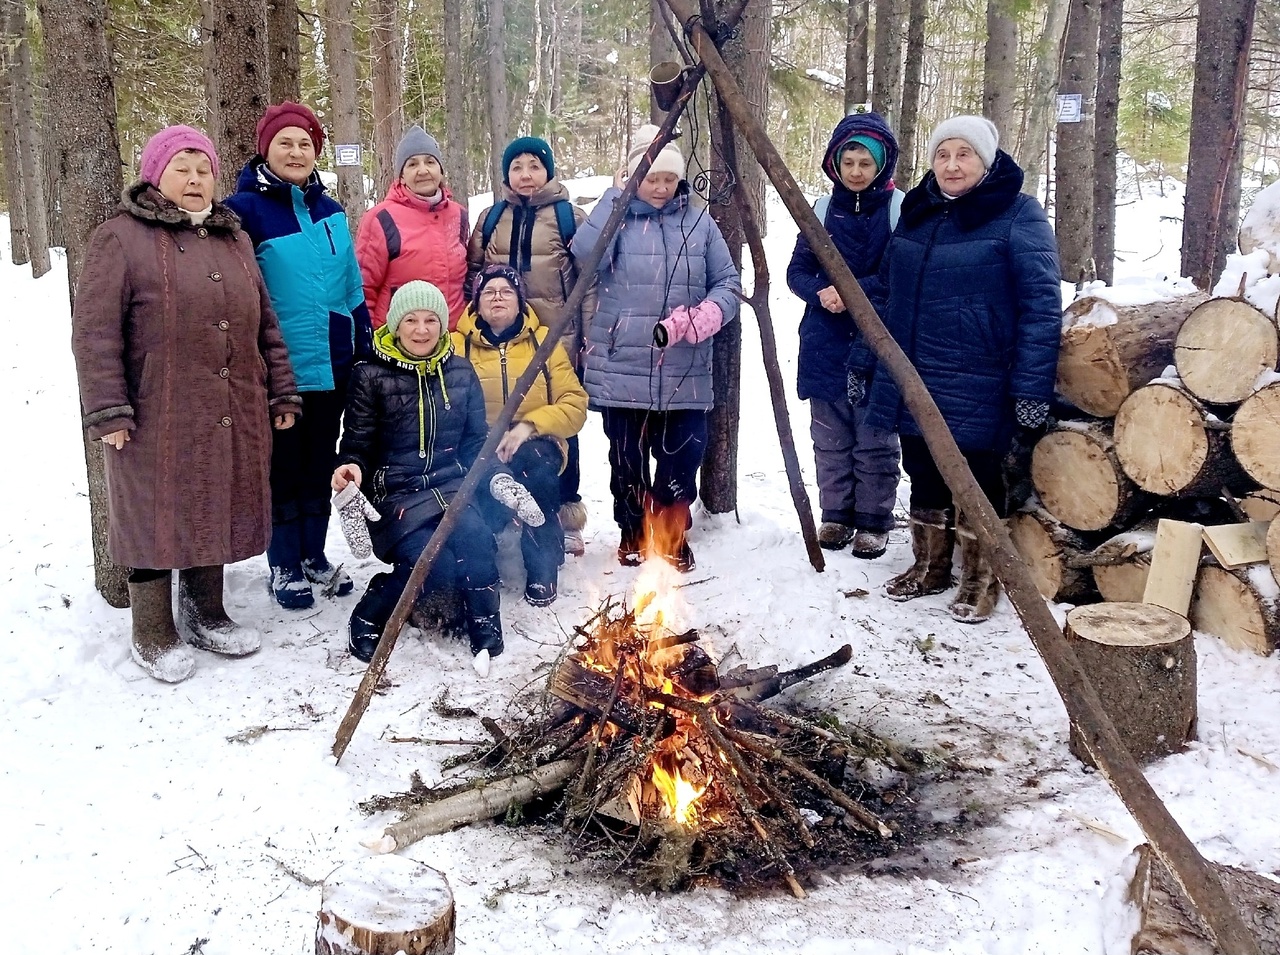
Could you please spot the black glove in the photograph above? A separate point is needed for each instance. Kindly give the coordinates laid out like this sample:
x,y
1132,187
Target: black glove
x,y
857,388
1032,421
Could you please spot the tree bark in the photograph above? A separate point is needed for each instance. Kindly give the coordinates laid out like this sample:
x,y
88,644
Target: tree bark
x,y
1074,162
1106,126
855,55
28,133
1044,90
14,198
499,121
458,167
340,53
913,75
82,112
886,82
240,62
1211,212
1000,67
284,69
388,96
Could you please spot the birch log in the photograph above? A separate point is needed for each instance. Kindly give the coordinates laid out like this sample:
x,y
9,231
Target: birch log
x,y
1222,348
1108,351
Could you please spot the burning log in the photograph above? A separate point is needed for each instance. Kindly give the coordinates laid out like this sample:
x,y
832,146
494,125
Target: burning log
x,y
382,905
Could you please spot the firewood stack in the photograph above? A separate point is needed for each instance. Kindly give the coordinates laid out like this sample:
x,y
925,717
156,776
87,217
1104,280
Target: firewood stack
x,y
1177,416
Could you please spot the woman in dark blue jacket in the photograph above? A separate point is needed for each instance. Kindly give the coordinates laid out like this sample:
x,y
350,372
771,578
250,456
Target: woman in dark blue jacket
x,y
857,465
970,289
303,246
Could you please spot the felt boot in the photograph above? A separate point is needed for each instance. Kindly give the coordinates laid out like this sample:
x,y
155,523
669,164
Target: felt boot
x,y
156,646
979,589
932,540
204,620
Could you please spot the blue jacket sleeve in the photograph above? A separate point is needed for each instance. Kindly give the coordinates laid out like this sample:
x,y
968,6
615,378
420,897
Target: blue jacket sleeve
x,y
359,424
805,276
723,281
1033,255
862,360
588,232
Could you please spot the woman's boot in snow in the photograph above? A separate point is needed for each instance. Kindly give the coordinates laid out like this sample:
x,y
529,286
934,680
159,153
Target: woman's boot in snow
x,y
203,618
156,646
979,589
484,622
932,540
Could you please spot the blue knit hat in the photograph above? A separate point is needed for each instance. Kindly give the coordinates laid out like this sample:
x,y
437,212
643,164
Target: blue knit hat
x,y
871,144
535,147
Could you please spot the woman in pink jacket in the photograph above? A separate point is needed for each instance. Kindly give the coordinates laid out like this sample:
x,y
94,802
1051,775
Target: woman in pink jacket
x,y
417,232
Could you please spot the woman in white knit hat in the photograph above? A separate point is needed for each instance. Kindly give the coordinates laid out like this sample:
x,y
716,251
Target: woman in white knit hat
x,y
666,285
969,287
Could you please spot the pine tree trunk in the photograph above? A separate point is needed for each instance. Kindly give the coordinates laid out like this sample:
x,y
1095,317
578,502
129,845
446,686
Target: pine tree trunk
x,y
855,55
1000,68
1212,209
499,121
15,201
913,73
1074,162
458,168
82,112
388,96
1110,27
340,53
240,63
886,83
285,71
1044,91
28,132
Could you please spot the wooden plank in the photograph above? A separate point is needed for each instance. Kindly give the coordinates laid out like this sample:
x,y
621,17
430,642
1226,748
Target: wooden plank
x,y
1174,562
1238,544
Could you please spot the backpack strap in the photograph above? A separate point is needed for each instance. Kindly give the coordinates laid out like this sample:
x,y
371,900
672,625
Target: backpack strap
x,y
491,222
820,208
895,208
565,221
392,233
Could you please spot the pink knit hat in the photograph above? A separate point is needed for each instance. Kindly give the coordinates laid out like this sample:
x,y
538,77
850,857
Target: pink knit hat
x,y
167,143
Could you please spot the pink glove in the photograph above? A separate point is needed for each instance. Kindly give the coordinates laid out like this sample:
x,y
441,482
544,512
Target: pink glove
x,y
704,321
673,328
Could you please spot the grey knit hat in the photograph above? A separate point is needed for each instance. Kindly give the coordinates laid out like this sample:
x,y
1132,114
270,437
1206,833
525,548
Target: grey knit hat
x,y
416,142
416,296
978,131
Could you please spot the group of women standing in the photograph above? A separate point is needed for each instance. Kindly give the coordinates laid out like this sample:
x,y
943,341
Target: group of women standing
x,y
200,326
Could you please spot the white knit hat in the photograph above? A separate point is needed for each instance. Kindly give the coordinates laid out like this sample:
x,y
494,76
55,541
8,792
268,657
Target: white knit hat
x,y
978,131
416,296
668,160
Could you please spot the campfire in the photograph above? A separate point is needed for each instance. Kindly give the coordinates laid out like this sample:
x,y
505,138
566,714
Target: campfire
x,y
657,759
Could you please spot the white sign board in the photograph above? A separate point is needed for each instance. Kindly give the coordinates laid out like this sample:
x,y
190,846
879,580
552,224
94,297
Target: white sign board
x,y
347,154
1070,107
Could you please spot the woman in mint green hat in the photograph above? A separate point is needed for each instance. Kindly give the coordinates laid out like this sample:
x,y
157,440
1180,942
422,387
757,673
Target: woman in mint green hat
x,y
414,425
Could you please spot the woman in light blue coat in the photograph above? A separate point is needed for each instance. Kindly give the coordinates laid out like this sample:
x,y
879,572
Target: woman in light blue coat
x,y
666,285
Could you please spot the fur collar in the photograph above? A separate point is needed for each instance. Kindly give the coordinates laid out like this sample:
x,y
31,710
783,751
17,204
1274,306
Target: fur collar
x,y
144,201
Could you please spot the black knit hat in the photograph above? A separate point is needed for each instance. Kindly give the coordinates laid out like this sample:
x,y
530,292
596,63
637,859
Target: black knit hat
x,y
487,275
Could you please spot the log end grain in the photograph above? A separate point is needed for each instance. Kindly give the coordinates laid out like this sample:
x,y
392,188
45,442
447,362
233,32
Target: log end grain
x,y
1160,439
1077,478
1221,349
383,905
1046,554
1239,607
1123,583
1255,435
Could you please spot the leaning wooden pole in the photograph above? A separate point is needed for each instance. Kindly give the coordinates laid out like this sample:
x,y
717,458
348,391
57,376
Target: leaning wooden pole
x,y
1094,728
586,269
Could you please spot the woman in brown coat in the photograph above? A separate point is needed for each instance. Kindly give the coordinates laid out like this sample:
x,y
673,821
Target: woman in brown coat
x,y
182,374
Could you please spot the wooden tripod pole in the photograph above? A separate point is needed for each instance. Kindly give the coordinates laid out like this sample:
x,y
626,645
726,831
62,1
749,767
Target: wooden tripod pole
x,y
1084,708
479,470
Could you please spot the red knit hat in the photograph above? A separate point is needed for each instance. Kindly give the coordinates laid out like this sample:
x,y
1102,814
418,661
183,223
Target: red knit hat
x,y
285,114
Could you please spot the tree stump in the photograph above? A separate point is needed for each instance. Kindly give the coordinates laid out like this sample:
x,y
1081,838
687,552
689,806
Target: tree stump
x,y
1121,564
1168,443
1108,351
1239,607
1222,348
383,905
1052,553
1142,661
1079,478
1255,435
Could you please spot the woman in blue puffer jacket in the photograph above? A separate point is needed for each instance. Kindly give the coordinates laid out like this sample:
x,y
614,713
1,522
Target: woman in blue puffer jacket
x,y
857,465
666,285
969,288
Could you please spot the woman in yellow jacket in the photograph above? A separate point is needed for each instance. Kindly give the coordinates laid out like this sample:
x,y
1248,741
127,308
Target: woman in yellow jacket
x,y
498,334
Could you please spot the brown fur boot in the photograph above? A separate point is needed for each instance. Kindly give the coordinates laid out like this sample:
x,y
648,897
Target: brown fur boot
x,y
157,648
932,540
979,589
573,518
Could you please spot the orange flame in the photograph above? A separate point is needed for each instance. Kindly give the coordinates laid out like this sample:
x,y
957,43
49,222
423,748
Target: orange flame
x,y
678,793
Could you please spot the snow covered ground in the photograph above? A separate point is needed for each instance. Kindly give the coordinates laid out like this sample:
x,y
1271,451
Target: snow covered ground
x,y
132,823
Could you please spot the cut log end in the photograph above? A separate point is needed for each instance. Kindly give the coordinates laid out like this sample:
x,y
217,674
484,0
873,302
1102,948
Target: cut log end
x,y
1164,445
1222,348
1255,435
382,905
1079,479
1049,549
1239,607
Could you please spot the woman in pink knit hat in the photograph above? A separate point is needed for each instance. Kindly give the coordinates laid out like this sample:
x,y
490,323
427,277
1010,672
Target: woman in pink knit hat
x,y
183,375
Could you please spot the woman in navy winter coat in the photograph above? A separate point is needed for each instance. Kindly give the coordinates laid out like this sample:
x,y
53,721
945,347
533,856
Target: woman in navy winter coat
x,y
303,246
857,464
970,290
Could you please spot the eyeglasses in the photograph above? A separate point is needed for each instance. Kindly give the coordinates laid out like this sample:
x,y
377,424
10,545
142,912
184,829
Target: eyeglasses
x,y
498,293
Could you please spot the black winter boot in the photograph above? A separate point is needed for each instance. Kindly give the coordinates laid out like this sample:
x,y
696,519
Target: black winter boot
x,y
204,619
484,623
371,614
315,565
288,583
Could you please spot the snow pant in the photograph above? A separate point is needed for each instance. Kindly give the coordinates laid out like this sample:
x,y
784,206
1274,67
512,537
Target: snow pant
x,y
857,466
676,440
302,463
536,465
468,562
930,493
571,476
